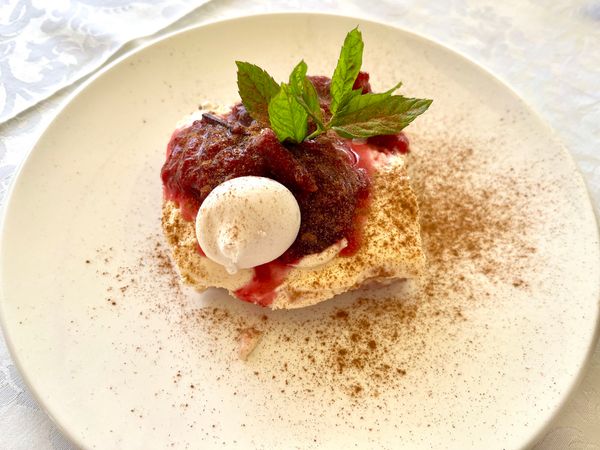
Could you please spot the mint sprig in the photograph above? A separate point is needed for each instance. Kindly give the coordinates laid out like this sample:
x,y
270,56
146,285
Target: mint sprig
x,y
256,88
287,107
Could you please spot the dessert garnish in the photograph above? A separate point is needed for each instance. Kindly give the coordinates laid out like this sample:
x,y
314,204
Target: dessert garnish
x,y
299,192
353,111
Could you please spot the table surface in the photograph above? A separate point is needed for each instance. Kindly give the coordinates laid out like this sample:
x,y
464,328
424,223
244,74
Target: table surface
x,y
547,51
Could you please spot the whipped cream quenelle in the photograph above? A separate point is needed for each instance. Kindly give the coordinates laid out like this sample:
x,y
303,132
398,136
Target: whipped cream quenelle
x,y
246,222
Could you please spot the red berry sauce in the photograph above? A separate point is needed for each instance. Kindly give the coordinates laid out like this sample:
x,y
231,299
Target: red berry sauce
x,y
262,289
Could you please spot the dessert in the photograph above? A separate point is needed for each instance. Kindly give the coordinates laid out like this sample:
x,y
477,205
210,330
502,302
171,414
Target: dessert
x,y
297,194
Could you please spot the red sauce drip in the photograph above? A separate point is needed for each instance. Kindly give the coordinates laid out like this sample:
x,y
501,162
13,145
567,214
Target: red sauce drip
x,y
171,144
187,207
365,156
261,289
390,143
199,249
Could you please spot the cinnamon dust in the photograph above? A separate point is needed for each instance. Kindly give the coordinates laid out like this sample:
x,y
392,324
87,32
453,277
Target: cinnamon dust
x,y
471,230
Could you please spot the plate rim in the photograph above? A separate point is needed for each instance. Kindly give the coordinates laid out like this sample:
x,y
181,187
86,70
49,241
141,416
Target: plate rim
x,y
110,65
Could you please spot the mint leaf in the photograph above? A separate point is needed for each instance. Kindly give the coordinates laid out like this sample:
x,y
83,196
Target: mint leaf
x,y
311,98
305,93
297,77
288,118
256,88
347,68
375,114
350,95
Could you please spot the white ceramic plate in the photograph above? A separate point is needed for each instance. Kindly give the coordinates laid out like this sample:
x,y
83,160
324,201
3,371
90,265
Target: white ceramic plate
x,y
122,358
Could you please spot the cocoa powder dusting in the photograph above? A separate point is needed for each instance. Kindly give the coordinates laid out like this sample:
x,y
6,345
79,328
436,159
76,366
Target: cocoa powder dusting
x,y
463,220
368,346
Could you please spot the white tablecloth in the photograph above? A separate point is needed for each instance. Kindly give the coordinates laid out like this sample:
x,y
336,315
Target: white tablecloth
x,y
549,52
